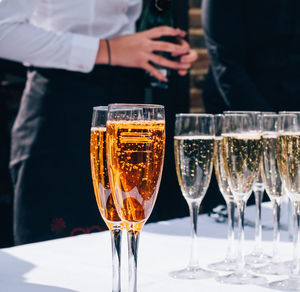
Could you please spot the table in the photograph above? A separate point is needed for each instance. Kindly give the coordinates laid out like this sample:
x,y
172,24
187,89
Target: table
x,y
82,263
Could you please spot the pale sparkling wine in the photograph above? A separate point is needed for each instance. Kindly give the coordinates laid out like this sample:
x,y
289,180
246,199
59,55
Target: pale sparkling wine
x,y
241,155
194,162
259,178
271,176
288,155
101,185
220,170
136,154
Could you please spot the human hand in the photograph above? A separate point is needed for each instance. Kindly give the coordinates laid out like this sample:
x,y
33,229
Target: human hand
x,y
187,58
137,50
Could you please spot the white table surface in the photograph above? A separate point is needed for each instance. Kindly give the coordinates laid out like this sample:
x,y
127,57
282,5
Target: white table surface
x,y
83,263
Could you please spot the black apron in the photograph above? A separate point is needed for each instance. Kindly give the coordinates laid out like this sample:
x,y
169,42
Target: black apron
x,y
50,164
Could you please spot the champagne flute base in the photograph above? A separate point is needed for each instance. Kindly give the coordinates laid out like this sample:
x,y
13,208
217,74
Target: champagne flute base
x,y
227,265
242,278
192,273
276,268
290,284
257,258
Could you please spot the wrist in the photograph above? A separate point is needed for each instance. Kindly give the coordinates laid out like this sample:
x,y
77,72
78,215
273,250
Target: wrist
x,y
103,53
115,48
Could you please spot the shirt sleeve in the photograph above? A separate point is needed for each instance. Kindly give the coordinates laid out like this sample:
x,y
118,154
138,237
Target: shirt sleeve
x,y
24,42
224,32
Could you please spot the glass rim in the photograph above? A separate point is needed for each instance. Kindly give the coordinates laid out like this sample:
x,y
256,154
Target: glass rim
x,y
270,115
193,115
138,105
100,107
240,112
236,114
289,112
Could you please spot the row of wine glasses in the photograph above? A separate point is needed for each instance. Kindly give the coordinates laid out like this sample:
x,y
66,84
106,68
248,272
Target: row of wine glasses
x,y
127,147
237,164
127,152
250,151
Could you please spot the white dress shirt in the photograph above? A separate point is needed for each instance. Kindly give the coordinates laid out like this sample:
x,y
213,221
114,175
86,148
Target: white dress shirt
x,y
62,34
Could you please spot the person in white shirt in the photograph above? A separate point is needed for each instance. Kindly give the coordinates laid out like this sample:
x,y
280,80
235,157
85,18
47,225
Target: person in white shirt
x,y
80,53
70,35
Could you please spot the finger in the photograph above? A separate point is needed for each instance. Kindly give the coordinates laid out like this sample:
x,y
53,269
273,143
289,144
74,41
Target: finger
x,y
191,57
159,60
175,49
183,44
157,32
154,72
182,72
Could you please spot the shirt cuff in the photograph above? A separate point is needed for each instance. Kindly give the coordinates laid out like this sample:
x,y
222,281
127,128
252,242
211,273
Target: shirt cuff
x,y
84,50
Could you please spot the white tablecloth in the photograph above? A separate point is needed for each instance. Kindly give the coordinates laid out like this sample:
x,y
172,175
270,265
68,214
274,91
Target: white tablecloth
x,y
83,263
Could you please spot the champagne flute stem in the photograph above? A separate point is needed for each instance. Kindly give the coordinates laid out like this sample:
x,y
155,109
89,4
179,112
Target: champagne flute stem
x,y
241,255
230,232
133,242
258,194
194,210
296,239
276,230
116,239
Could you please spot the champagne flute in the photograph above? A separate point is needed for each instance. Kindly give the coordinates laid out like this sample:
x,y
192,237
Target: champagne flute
x,y
135,154
256,256
241,151
288,156
274,189
102,190
194,153
230,261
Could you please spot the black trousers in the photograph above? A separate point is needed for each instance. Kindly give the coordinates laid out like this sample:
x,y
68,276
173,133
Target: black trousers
x,y
49,164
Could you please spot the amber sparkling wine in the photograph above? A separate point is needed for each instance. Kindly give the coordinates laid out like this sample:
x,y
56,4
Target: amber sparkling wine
x,y
136,155
194,163
241,156
100,177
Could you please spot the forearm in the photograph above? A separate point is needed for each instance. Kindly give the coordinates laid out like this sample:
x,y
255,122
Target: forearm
x,y
23,42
